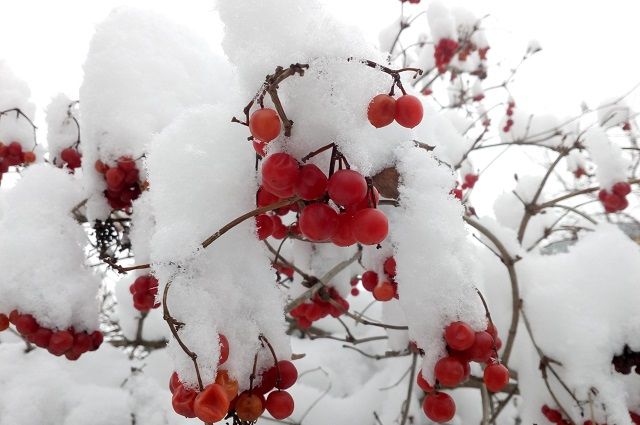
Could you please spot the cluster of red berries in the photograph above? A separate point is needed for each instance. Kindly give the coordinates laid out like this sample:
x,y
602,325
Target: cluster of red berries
x,y
463,345
626,361
507,126
358,219
555,417
616,200
220,399
144,290
123,185
12,155
445,51
70,157
69,343
319,307
470,181
384,109
382,289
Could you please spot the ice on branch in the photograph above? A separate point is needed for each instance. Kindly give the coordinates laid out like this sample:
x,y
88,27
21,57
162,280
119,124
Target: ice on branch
x,y
42,253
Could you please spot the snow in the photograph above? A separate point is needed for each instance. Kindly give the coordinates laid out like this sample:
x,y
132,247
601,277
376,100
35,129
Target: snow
x,y
15,93
611,165
62,131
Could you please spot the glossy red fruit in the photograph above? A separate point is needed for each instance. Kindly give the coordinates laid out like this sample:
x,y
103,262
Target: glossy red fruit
x,y
382,110
347,187
229,385
41,337
459,336
72,157
621,188
288,374
384,291
96,339
249,406
212,404
264,124
369,280
4,322
183,401
174,381
482,348
496,377
449,371
280,173
344,235
60,342
370,226
318,222
268,381
423,383
264,197
264,226
390,267
224,349
371,200
439,407
408,111
14,149
26,324
29,157
81,343
311,183
280,404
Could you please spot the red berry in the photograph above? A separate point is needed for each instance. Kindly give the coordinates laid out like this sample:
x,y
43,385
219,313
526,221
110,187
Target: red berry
x,y
355,292
318,222
280,173
621,188
459,336
370,226
311,183
369,280
422,383
449,371
115,178
439,407
259,146
14,316
229,385
26,324
96,339
288,374
268,381
14,149
382,110
343,235
249,406
384,291
280,404
174,381
183,401
279,229
390,267
81,343
496,377
212,404
60,342
224,349
264,124
72,157
408,111
371,200
482,348
4,322
347,187
264,197
264,226
28,157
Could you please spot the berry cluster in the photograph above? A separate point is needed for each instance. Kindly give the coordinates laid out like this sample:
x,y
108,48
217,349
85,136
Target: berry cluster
x,y
616,200
385,289
71,158
221,399
555,417
358,219
445,51
470,181
510,106
463,345
68,342
384,109
144,290
123,185
625,362
12,155
319,307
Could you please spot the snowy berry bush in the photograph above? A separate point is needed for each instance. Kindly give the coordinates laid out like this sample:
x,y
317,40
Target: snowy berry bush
x,y
286,232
